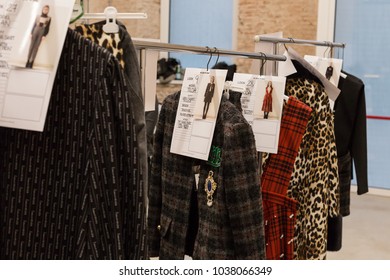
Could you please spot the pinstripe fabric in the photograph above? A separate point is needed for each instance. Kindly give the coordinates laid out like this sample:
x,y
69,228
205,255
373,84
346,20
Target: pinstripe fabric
x,y
121,46
314,183
280,210
233,227
70,191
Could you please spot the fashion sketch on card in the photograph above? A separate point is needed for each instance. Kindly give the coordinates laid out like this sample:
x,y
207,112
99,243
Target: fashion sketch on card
x,y
208,96
38,34
329,72
267,101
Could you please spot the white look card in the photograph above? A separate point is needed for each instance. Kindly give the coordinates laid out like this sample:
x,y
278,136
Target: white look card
x,y
150,86
197,112
262,103
31,40
328,67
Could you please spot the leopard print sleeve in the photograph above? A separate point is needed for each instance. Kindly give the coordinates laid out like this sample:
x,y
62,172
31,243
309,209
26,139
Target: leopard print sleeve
x,y
333,184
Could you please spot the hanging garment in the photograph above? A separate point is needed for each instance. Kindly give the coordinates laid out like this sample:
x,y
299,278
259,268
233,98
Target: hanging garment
x,y
235,99
351,138
314,182
71,191
121,46
232,227
280,210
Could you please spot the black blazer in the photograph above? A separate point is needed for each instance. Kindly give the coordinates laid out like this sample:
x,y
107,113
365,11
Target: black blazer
x,y
351,127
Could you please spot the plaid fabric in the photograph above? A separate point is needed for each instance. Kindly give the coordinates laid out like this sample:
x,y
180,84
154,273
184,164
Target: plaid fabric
x,y
280,210
233,227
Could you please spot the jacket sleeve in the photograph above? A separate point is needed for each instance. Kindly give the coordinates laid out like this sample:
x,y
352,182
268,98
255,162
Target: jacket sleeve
x,y
359,144
155,189
243,193
126,128
47,28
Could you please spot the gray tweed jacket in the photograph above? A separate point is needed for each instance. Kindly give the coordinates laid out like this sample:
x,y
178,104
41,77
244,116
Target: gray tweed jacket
x,y
233,227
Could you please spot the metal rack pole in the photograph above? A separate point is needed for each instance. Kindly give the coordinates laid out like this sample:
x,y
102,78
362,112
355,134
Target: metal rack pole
x,y
259,38
204,50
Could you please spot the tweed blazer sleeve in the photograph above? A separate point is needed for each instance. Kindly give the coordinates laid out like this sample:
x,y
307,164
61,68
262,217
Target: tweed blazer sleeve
x,y
233,227
243,194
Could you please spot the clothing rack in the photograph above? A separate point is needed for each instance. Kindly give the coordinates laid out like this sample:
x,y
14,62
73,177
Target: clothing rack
x,y
259,38
276,41
140,44
144,45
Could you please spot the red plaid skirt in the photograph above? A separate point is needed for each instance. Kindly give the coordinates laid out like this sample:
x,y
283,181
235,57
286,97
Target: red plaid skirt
x,y
279,210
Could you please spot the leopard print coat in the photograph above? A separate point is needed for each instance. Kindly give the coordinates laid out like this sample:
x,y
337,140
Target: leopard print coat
x,y
314,182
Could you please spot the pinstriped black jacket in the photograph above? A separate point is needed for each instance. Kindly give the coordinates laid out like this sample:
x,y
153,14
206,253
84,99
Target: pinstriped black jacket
x,y
74,191
233,227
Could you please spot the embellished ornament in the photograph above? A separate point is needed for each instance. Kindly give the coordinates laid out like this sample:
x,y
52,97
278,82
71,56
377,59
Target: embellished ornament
x,y
215,156
210,186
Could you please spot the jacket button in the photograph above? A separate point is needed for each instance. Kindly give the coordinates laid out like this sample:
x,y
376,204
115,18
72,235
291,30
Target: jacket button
x,y
159,227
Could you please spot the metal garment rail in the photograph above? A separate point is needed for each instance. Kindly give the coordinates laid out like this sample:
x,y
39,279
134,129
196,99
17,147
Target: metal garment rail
x,y
205,50
201,50
117,16
259,38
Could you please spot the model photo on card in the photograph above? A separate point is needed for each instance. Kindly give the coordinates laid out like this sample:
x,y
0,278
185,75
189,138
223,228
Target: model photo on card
x,y
208,96
267,100
39,32
36,36
269,97
267,112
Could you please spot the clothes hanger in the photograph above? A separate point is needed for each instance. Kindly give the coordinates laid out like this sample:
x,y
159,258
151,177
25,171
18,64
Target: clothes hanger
x,y
211,55
111,26
329,69
78,11
332,91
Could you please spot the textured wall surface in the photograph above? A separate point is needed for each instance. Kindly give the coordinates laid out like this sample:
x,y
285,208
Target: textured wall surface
x,y
139,28
297,19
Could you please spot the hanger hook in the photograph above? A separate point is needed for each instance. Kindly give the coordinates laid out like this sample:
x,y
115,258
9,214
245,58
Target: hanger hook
x,y
327,43
291,40
263,61
217,52
211,55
